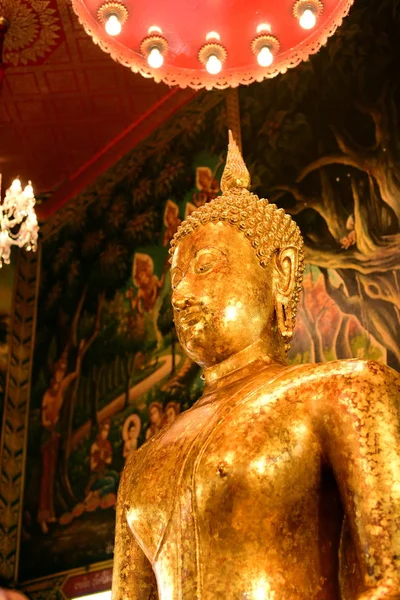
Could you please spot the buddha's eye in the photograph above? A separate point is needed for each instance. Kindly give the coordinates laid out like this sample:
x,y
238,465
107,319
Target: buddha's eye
x,y
207,259
205,262
204,268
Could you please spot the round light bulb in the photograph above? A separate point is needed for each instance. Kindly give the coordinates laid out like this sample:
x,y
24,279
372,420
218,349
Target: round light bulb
x,y
308,19
16,186
113,25
265,58
155,58
213,64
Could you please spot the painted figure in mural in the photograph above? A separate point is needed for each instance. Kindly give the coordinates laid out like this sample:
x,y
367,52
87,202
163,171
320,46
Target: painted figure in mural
x,y
130,434
281,482
147,300
350,239
147,282
207,185
156,418
172,410
171,221
100,460
52,402
50,414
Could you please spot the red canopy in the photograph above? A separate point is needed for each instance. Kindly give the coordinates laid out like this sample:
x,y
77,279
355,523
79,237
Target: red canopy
x,y
186,23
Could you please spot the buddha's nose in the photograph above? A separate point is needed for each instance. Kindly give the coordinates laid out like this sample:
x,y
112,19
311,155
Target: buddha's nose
x,y
181,301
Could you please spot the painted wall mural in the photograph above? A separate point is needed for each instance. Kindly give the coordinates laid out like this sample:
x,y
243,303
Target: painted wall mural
x,y
108,371
322,142
324,331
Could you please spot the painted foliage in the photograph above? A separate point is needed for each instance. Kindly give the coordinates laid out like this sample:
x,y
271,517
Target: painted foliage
x,y
108,371
323,142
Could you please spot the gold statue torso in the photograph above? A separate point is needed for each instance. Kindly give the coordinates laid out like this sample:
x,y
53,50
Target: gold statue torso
x,y
235,499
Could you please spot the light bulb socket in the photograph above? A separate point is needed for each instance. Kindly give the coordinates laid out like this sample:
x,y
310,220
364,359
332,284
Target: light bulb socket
x,y
154,41
265,40
108,9
300,6
212,49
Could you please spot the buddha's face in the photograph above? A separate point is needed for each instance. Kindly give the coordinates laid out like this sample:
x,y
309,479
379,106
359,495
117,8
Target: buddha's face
x,y
222,297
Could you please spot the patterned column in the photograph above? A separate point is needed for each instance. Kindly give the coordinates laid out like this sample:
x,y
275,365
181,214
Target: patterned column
x,y
14,432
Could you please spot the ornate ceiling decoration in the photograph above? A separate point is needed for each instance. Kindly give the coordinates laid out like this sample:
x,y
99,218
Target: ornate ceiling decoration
x,y
67,110
209,44
34,30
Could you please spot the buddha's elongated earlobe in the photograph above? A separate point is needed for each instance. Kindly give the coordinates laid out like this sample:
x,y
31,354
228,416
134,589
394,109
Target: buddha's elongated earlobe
x,y
285,322
284,283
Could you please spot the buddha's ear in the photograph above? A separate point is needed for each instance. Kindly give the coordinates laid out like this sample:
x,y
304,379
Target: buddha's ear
x,y
284,273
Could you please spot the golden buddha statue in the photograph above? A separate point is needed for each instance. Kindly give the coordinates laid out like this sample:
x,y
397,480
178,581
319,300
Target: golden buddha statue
x,y
281,482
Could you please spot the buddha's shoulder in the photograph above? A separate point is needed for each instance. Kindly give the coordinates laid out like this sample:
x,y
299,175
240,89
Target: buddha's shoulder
x,y
336,376
345,370
330,381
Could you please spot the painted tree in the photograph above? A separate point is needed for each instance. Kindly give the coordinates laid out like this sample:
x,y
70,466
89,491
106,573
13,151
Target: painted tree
x,y
321,324
328,150
314,306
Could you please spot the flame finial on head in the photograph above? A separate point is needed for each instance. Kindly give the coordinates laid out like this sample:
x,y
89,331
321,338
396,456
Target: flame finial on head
x,y
235,174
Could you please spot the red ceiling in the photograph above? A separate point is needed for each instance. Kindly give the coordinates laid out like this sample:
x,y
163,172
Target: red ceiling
x,y
67,110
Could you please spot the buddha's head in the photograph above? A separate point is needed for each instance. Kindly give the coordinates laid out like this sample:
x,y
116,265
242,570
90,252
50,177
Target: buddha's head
x,y
236,270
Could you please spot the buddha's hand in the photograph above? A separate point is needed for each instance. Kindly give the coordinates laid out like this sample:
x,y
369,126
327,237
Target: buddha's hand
x,y
383,592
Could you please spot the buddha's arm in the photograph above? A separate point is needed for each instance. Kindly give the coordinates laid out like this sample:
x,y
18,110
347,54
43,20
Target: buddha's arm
x,y
133,577
360,432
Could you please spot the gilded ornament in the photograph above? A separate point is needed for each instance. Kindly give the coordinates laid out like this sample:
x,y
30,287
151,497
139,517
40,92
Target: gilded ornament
x,y
301,5
113,8
212,48
154,40
264,39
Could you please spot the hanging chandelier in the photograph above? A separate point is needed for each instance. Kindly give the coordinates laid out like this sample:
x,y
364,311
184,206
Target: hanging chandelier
x,y
210,43
18,222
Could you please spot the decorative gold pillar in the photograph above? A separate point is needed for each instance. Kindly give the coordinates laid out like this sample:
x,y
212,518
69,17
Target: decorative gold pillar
x,y
14,436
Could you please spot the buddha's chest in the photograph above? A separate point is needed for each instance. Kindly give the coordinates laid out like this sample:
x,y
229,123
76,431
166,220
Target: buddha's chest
x,y
226,461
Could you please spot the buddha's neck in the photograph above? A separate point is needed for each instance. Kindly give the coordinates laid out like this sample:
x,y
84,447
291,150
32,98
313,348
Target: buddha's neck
x,y
242,364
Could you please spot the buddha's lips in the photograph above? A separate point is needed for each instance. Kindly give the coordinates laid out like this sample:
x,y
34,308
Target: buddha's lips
x,y
190,316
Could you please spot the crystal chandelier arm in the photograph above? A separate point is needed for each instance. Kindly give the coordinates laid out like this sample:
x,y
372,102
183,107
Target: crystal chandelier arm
x,y
18,222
